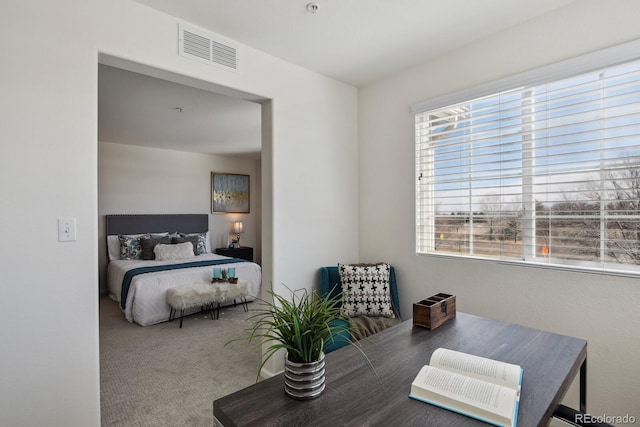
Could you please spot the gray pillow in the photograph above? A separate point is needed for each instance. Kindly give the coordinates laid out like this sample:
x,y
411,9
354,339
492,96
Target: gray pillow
x,y
201,246
148,243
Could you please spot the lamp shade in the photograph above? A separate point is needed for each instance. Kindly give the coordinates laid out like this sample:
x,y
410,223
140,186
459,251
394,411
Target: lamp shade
x,y
237,227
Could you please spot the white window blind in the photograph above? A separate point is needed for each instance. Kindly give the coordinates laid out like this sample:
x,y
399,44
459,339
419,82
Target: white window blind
x,y
547,173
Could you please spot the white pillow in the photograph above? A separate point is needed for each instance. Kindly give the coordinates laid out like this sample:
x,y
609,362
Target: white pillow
x,y
208,243
174,252
113,247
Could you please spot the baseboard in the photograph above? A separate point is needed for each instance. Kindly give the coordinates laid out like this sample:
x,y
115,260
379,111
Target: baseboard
x,y
266,373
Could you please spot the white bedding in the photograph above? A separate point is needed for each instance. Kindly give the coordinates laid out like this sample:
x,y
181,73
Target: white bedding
x,y
146,302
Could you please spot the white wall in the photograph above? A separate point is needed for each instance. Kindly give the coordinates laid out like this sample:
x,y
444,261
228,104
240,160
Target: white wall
x,y
48,169
134,180
599,308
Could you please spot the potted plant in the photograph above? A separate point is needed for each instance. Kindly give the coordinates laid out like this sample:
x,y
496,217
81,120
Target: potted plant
x,y
300,325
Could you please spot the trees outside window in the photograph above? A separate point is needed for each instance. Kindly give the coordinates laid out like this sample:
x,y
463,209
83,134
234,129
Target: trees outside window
x,y
548,173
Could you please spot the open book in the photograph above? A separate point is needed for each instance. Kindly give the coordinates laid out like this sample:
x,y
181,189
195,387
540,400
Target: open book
x,y
475,386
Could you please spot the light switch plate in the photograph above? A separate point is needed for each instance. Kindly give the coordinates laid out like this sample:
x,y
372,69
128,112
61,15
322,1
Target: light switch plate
x,y
66,229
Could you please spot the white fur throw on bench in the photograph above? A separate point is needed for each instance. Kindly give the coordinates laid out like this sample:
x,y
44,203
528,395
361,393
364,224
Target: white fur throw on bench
x,y
199,294
189,296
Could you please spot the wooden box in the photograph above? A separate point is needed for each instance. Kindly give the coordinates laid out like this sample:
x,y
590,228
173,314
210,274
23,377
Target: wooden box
x,y
434,311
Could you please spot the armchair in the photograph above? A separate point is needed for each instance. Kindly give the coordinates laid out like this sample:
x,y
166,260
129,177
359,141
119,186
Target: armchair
x,y
329,278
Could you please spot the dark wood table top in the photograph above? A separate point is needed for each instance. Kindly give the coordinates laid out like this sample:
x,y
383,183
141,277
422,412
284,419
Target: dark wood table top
x,y
355,397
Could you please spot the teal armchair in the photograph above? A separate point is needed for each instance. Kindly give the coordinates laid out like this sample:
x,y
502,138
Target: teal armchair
x,y
330,284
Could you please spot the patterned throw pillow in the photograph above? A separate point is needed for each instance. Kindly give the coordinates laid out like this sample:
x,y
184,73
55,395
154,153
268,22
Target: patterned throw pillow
x,y
201,247
366,290
130,247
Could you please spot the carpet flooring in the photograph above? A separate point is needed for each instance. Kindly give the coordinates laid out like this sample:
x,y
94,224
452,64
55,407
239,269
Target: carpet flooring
x,y
162,375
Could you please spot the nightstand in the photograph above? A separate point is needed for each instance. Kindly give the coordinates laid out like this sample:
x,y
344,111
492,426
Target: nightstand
x,y
243,252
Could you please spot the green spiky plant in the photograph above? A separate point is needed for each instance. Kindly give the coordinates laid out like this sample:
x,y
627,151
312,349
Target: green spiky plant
x,y
300,325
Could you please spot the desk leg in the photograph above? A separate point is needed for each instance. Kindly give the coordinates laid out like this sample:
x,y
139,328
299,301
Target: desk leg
x,y
569,415
583,387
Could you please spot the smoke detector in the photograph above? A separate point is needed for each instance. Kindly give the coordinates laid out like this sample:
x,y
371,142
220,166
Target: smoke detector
x,y
313,7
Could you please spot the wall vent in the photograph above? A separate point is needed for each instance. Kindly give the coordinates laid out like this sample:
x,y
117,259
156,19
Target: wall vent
x,y
205,47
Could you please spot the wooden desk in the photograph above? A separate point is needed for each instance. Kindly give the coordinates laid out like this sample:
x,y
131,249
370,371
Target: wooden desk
x,y
354,397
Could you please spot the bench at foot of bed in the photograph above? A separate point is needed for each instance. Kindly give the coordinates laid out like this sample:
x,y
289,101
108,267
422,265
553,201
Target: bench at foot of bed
x,y
207,296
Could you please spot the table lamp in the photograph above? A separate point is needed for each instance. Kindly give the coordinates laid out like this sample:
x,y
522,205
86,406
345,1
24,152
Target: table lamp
x,y
237,228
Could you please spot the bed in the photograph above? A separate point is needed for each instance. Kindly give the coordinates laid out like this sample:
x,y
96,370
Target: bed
x,y
140,285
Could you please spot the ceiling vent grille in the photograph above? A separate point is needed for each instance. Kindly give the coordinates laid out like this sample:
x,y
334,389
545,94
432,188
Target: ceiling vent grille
x,y
205,47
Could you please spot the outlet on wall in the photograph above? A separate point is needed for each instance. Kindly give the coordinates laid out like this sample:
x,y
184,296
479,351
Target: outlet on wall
x,y
66,229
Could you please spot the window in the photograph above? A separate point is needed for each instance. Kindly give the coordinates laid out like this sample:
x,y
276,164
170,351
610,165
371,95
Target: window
x,y
543,173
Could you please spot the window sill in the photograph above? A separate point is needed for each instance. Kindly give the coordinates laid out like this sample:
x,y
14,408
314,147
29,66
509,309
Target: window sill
x,y
531,264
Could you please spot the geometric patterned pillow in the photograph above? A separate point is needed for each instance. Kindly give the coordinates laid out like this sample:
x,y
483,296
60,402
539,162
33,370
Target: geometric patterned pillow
x,y
130,247
366,290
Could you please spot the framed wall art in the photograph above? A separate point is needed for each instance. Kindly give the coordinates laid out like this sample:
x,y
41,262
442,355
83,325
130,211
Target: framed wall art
x,y
229,193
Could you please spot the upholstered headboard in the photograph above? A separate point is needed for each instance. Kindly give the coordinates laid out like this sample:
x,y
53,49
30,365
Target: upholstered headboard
x,y
138,224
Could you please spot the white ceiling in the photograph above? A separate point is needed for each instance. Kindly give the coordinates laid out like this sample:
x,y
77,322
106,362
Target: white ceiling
x,y
137,109
354,41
